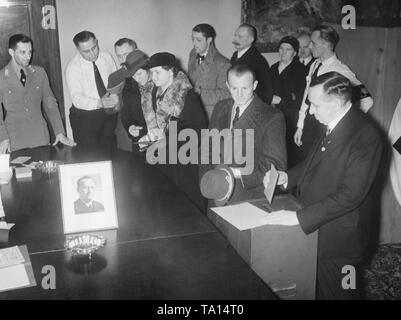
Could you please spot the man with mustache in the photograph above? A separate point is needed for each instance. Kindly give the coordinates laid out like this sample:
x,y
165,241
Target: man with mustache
x,y
247,54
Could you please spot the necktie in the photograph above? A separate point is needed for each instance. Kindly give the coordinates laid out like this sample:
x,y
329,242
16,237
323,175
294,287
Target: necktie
x,y
314,75
200,58
101,89
325,140
22,77
327,130
236,116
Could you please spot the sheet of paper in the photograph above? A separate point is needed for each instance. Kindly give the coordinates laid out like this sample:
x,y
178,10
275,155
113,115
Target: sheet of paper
x,y
6,226
20,160
4,162
269,191
13,277
243,216
10,256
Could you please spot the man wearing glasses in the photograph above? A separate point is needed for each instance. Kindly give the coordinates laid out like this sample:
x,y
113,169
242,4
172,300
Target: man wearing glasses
x,y
323,44
87,76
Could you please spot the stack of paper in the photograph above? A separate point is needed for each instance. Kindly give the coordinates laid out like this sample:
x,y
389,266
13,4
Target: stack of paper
x,y
15,269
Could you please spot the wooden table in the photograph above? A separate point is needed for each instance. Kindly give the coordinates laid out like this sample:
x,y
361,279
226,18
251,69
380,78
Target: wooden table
x,y
164,247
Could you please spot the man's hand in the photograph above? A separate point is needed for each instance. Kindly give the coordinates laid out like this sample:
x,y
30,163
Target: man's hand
x,y
298,137
5,146
276,99
64,140
282,217
134,130
110,101
282,178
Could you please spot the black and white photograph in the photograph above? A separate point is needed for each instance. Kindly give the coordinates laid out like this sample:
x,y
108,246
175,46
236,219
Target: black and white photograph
x,y
187,151
87,197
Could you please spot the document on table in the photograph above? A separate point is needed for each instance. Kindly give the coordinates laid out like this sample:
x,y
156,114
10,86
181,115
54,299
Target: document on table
x,y
243,216
15,269
13,277
20,160
10,256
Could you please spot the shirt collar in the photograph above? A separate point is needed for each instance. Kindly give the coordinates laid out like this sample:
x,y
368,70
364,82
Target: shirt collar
x,y
240,53
333,123
88,204
307,60
329,60
283,66
207,51
17,69
243,107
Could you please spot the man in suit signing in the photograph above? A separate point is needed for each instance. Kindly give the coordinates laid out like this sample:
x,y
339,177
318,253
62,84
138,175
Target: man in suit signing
x,y
246,111
85,203
333,183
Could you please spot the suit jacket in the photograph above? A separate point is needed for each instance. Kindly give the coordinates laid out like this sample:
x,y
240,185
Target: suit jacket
x,y
269,142
254,60
24,123
333,183
81,208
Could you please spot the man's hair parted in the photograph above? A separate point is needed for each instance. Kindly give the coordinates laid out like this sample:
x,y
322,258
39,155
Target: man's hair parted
x,y
83,36
334,84
17,38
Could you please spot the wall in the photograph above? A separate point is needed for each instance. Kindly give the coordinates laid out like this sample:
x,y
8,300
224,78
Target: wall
x,y
156,25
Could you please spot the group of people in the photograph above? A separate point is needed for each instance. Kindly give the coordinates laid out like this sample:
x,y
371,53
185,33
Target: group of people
x,y
304,111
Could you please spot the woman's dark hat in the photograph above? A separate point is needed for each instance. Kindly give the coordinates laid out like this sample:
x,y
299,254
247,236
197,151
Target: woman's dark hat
x,y
135,60
161,59
292,41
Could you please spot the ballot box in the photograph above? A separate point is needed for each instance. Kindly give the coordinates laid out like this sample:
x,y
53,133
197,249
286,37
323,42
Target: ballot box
x,y
283,256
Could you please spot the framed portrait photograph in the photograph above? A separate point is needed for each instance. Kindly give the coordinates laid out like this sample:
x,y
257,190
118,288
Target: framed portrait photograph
x,y
87,197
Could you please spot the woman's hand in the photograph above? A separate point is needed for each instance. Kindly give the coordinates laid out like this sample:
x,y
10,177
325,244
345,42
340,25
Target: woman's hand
x,y
134,130
276,99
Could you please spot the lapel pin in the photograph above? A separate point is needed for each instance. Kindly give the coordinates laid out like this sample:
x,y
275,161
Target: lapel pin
x,y
323,149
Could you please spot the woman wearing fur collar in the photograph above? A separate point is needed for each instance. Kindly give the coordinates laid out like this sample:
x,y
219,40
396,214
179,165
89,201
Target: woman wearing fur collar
x,y
173,99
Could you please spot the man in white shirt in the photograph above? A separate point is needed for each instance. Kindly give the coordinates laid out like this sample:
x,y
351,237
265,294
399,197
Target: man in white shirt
x,y
323,43
92,115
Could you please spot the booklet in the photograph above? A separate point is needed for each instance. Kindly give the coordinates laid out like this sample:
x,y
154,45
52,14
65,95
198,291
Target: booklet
x,y
15,269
